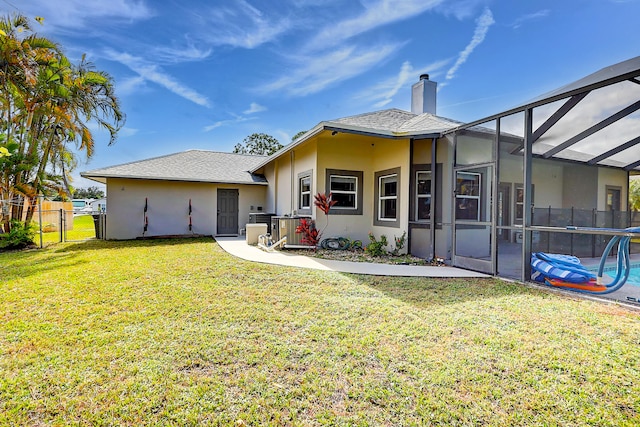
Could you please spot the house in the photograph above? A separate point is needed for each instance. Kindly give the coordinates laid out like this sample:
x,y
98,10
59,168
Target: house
x,y
192,192
523,176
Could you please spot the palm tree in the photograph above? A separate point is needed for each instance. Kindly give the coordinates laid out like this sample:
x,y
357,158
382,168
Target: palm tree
x,y
48,103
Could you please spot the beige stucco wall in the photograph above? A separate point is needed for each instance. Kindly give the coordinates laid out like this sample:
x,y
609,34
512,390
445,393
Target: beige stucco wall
x,y
614,178
369,155
168,204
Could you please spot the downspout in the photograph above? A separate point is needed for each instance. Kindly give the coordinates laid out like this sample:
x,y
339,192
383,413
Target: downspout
x,y
434,197
411,196
293,188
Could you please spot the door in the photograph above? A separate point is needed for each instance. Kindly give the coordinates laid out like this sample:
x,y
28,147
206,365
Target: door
x,y
473,230
504,211
227,211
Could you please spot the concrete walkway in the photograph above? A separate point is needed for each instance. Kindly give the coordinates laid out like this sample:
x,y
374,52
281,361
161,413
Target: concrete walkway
x,y
238,247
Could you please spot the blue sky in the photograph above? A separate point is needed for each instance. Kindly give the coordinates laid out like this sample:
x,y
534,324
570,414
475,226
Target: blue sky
x,y
206,74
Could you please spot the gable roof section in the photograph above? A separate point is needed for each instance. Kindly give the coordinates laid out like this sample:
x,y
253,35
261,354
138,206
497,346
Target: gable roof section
x,y
391,123
189,166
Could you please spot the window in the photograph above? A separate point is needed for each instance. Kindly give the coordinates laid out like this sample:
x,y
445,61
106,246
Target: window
x,y
388,191
519,202
305,193
423,195
346,189
387,198
305,200
468,196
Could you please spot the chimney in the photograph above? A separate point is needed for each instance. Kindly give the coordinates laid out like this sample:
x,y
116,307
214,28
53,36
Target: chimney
x,y
423,96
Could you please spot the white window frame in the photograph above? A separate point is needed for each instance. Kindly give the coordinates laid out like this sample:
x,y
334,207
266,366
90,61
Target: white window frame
x,y
354,192
422,195
302,193
382,198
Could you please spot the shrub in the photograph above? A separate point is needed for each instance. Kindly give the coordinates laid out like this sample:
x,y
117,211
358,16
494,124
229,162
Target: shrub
x,y
19,236
400,242
310,234
376,247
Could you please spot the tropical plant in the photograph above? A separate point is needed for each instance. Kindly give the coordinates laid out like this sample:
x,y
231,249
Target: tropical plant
x,y
310,234
399,243
19,237
634,196
375,246
47,103
258,144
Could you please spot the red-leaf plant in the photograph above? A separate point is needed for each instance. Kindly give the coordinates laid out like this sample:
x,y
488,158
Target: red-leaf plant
x,y
311,234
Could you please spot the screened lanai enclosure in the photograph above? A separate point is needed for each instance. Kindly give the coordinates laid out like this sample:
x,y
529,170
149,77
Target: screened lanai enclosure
x,y
551,175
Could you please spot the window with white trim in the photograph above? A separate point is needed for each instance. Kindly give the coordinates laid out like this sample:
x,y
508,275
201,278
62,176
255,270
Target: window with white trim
x,y
344,190
345,187
423,196
388,197
304,184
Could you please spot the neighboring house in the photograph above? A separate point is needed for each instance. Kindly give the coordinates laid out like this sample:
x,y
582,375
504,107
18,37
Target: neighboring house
x,y
561,159
193,192
99,205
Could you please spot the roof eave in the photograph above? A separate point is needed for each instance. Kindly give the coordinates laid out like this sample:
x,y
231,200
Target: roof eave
x,y
356,130
104,177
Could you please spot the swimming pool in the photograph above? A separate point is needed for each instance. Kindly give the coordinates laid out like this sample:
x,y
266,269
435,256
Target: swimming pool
x,y
634,274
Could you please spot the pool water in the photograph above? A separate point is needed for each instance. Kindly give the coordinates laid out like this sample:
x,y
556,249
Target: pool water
x,y
634,274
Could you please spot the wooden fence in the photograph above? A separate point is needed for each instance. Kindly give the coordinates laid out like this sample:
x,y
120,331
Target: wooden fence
x,y
54,216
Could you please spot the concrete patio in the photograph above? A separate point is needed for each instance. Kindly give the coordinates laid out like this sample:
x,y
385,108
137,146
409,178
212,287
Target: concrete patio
x,y
238,247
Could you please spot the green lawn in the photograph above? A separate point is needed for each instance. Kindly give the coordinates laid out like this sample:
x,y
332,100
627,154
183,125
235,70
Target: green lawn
x,y
83,229
177,332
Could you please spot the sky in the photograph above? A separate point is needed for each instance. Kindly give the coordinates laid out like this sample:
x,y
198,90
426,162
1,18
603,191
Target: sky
x,y
197,74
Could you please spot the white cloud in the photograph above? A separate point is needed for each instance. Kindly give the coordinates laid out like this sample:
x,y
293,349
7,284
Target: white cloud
x,y
321,71
130,85
377,14
244,26
237,119
151,72
79,14
254,108
483,23
461,9
540,14
127,132
384,91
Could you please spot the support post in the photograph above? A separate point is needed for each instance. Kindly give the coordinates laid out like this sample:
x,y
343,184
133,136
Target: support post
x,y
40,197
527,205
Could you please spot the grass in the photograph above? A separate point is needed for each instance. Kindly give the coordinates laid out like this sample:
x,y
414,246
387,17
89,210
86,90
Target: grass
x,y
83,229
177,332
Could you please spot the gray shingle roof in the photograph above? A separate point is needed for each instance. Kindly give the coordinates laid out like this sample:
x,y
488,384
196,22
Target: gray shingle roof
x,y
190,165
397,122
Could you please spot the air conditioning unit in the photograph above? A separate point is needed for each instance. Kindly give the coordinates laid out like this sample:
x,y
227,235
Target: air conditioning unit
x,y
282,226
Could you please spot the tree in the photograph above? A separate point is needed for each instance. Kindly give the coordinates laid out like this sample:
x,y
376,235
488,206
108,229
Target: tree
x,y
634,196
88,193
47,103
258,144
298,135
